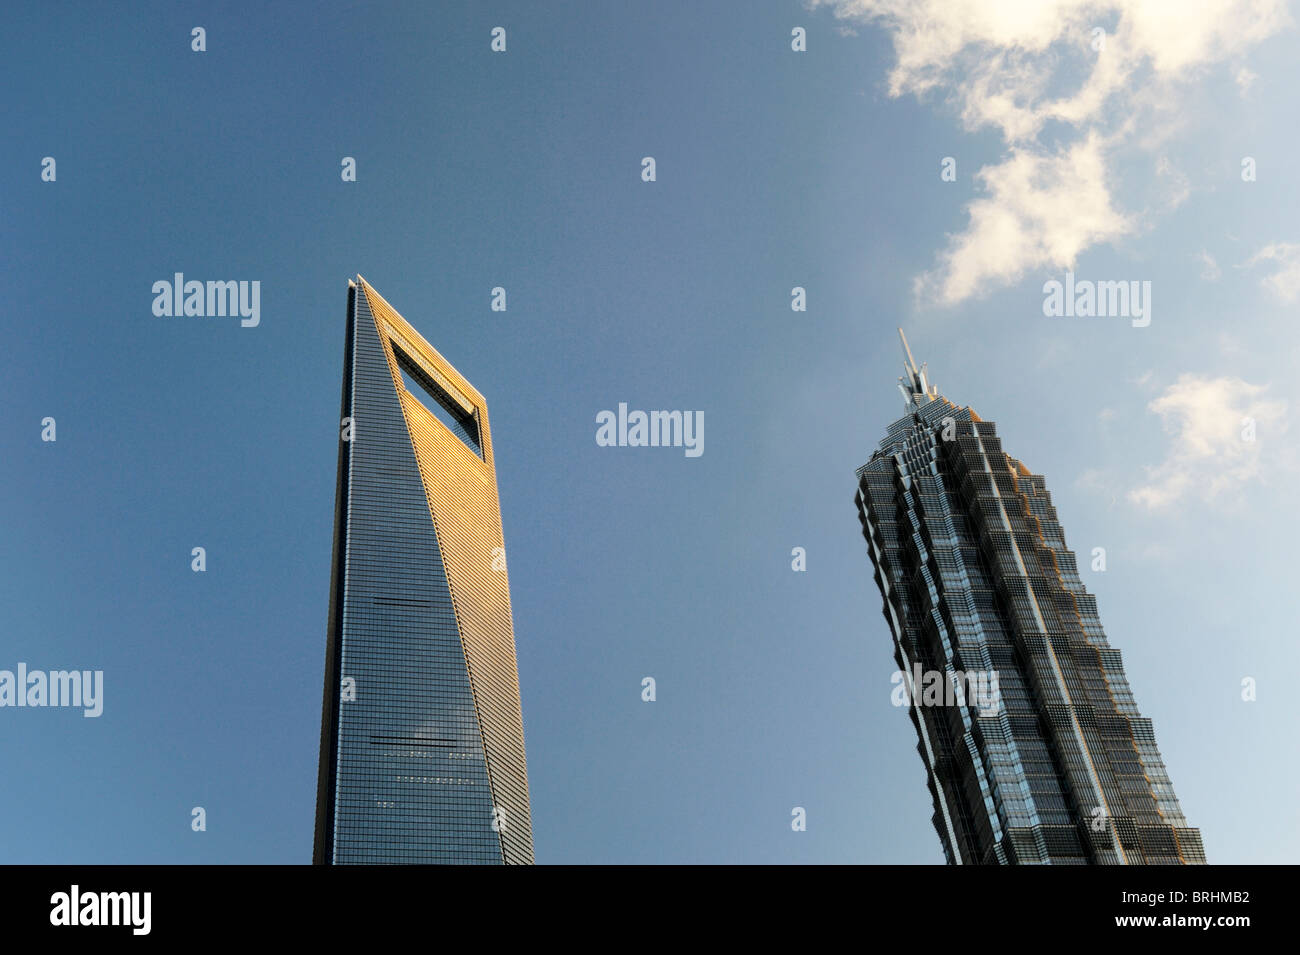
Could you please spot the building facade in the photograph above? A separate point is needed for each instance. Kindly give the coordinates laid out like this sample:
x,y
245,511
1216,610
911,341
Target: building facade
x,y
1057,765
422,742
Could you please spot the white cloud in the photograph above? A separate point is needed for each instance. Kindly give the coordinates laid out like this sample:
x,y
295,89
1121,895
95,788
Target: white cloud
x,y
1092,479
1209,456
1155,550
1176,185
1018,66
1040,211
1230,345
1210,270
1285,280
1245,79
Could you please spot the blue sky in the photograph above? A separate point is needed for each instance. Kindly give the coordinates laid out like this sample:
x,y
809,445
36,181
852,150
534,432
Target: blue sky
x,y
522,169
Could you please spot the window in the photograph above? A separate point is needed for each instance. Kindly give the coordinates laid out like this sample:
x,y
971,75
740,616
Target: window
x,y
440,403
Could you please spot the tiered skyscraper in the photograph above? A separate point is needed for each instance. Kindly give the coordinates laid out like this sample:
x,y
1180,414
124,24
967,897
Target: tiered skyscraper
x,y
976,578
422,738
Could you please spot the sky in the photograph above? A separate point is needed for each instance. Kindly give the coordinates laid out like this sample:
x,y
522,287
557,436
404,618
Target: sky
x,y
1115,141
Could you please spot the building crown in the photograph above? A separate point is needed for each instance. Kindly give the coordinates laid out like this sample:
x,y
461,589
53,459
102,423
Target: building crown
x,y
915,387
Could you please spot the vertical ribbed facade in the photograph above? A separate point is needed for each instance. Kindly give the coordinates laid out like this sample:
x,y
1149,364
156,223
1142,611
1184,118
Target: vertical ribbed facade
x,y
976,578
422,746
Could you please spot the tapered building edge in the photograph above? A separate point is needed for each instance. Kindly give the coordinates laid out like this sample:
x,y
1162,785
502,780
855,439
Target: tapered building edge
x,y
325,779
513,785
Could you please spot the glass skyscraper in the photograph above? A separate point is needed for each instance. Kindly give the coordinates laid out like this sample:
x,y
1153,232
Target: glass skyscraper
x,y
1057,765
422,740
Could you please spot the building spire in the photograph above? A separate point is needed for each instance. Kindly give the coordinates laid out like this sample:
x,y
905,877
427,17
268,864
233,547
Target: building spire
x,y
911,362
915,387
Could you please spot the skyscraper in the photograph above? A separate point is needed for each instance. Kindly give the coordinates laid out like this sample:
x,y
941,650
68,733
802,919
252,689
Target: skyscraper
x,y
1058,766
422,740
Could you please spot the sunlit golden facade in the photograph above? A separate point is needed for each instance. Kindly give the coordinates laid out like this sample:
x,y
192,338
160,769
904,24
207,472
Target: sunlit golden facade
x,y
422,753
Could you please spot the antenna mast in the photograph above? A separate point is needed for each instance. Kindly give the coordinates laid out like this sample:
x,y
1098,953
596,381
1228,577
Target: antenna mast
x,y
917,388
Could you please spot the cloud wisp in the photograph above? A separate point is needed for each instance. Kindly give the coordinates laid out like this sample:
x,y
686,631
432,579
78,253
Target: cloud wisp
x,y
1284,281
1072,86
1217,427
